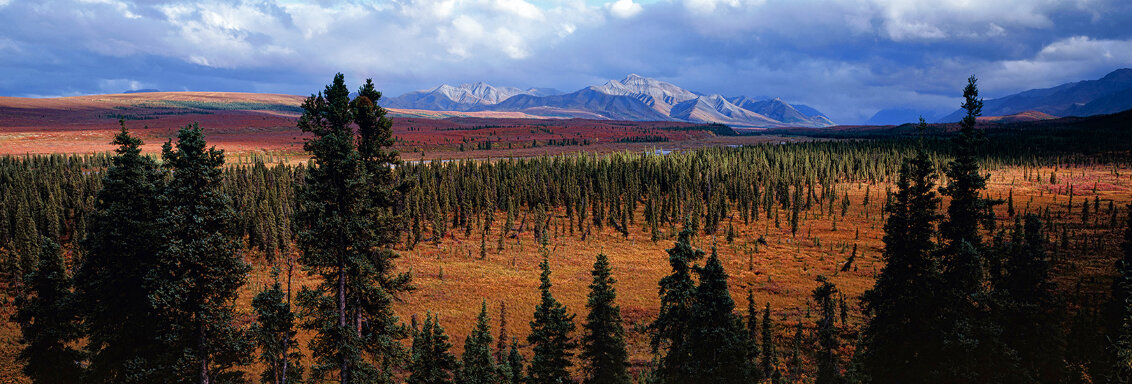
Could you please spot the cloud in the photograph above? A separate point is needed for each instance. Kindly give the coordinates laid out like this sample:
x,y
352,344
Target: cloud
x,y
624,8
118,85
1083,48
847,58
519,8
1070,59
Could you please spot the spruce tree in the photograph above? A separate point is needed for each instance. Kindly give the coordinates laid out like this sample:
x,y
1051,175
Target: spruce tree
x,y
603,343
26,242
479,365
274,334
431,362
1031,307
199,268
550,337
902,300
967,210
753,337
119,250
974,349
672,326
769,359
346,228
716,338
515,364
501,343
48,324
829,366
794,364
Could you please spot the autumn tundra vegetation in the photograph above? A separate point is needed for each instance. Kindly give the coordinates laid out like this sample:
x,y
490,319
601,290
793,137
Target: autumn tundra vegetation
x,y
952,257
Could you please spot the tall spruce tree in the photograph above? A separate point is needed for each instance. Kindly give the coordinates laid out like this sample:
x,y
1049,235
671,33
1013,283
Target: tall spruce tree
x,y
346,227
119,250
672,326
479,366
26,241
967,210
753,337
768,362
716,338
48,325
829,365
1031,307
199,268
902,301
501,343
431,362
974,349
274,334
794,364
603,343
514,364
550,337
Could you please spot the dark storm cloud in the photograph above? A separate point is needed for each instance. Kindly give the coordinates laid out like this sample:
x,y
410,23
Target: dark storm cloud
x,y
847,58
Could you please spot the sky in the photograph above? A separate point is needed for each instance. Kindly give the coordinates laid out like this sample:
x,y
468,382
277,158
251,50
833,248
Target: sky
x,y
847,58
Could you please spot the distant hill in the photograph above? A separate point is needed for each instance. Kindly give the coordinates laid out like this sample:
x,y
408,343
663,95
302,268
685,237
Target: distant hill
x,y
1109,94
1018,117
897,116
632,98
141,91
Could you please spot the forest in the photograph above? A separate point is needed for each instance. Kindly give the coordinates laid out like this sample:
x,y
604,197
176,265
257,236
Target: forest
x,y
949,257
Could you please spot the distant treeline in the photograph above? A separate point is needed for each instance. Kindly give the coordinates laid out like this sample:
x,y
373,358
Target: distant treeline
x,y
643,139
1103,137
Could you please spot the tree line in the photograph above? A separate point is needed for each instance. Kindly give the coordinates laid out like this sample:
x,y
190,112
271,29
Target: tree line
x,y
158,261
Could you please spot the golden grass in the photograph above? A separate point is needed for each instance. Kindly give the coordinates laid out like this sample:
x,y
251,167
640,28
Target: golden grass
x,y
451,280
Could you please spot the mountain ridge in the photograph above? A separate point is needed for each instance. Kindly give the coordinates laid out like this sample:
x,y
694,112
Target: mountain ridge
x,y
1109,94
632,98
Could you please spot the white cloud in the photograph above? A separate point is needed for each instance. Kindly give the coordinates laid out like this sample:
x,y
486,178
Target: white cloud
x,y
119,85
120,6
511,43
995,30
1071,59
566,29
519,8
624,8
708,6
900,31
8,45
1083,48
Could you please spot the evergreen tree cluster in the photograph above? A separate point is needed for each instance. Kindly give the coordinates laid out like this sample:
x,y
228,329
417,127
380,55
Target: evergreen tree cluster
x,y
977,311
153,293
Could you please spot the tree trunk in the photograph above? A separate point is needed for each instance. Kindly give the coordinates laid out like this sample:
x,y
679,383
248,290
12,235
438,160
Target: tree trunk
x,y
286,336
358,322
345,366
202,350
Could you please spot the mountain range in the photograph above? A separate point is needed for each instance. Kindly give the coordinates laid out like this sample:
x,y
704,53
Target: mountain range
x,y
1109,94
632,98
